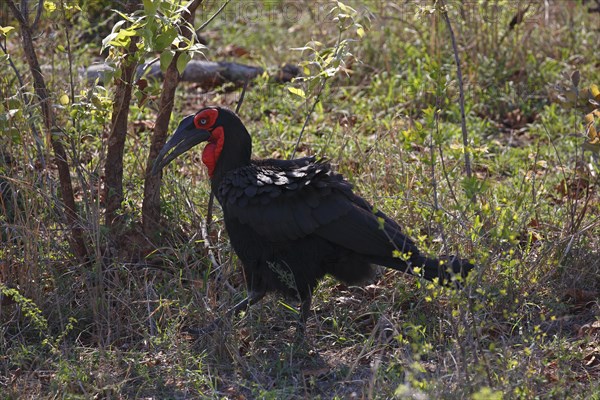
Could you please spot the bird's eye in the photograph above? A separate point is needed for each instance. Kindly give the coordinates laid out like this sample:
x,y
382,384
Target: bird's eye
x,y
206,118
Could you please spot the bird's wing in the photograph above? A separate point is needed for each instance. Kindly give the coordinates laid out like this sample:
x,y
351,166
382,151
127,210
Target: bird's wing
x,y
284,200
367,231
288,200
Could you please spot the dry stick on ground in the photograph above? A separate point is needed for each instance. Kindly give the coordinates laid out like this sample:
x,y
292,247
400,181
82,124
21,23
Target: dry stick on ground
x,y
76,239
463,122
151,201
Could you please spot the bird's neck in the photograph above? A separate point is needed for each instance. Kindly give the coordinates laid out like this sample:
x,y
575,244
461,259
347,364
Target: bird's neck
x,y
235,154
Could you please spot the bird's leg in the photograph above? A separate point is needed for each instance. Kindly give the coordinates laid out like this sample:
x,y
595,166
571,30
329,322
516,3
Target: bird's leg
x,y
305,309
304,314
253,298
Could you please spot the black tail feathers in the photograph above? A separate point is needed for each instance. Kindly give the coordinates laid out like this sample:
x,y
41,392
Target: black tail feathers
x,y
446,269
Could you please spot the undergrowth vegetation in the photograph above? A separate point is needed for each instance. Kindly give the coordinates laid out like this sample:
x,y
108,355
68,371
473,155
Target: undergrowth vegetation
x,y
380,97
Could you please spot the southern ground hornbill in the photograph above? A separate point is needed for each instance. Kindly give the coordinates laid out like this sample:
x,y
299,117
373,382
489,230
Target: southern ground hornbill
x,y
291,222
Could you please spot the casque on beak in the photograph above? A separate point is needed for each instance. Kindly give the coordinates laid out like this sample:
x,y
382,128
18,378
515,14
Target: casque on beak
x,y
185,137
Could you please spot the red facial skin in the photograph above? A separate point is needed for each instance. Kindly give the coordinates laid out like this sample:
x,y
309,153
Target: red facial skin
x,y
206,120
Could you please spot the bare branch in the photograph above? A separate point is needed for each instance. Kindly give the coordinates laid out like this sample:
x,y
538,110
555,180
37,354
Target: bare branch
x,y
38,14
463,121
27,100
76,240
116,140
204,25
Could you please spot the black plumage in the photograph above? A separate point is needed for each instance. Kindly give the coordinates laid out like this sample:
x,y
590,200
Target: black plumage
x,y
292,222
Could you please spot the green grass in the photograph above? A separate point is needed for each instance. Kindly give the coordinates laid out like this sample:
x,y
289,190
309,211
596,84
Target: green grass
x,y
526,327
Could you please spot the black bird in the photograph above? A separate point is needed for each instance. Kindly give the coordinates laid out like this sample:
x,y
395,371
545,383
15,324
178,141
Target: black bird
x,y
291,222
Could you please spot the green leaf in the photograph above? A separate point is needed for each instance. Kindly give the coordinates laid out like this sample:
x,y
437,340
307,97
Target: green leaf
x,y
165,39
50,6
290,308
150,7
121,38
595,92
345,8
487,394
64,99
124,16
107,40
360,31
149,34
5,29
473,186
297,91
165,59
182,61
127,32
117,27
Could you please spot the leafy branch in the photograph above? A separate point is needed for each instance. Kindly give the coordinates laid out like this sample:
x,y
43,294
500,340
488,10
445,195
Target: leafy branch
x,y
326,62
53,133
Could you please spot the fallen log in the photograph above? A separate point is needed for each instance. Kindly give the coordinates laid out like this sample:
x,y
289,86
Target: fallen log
x,y
208,74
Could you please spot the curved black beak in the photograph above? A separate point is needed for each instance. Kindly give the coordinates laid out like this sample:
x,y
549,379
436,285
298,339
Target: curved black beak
x,y
185,137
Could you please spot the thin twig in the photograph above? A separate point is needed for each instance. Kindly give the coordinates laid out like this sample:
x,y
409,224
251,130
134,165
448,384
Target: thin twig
x,y
147,65
75,155
25,9
463,121
204,25
447,178
318,96
209,216
533,176
38,14
432,155
312,109
77,241
69,53
436,204
17,13
241,100
26,100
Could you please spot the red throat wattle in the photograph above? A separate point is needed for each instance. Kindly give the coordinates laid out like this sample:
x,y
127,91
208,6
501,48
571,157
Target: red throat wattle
x,y
212,151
